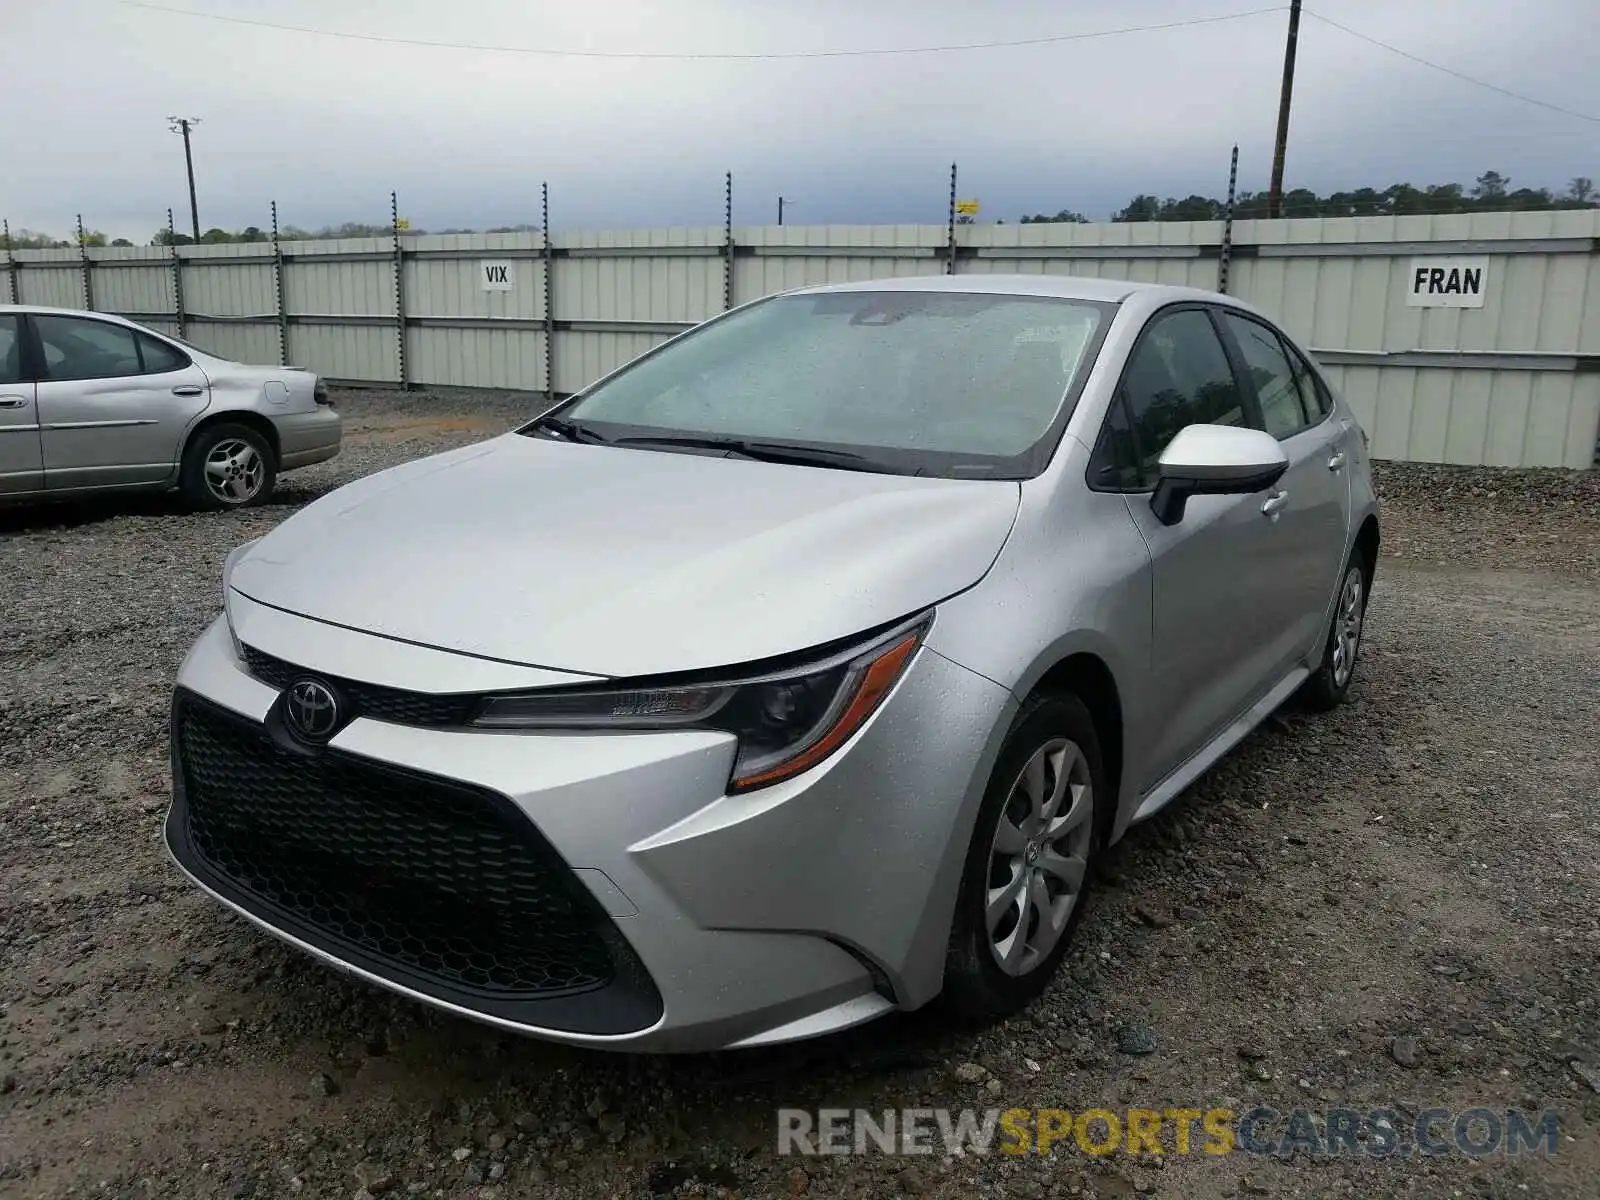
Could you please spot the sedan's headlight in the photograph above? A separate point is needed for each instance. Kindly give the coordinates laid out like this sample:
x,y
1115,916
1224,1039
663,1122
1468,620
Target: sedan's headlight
x,y
786,721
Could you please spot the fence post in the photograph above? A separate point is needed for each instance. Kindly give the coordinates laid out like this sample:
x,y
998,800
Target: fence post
x,y
1227,225
87,267
277,290
177,277
399,290
11,268
549,295
727,243
950,244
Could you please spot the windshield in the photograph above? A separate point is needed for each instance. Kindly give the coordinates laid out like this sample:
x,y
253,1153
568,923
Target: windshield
x,y
940,383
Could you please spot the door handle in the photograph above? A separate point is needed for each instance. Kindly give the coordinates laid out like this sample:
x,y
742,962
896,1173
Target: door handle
x,y
1271,506
12,401
187,389
1336,461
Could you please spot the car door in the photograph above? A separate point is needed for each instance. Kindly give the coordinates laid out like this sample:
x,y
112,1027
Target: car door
x,y
114,402
1219,624
1314,517
21,468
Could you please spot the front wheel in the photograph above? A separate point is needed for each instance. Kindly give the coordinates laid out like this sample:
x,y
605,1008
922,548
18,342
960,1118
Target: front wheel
x,y
1030,860
227,466
1330,683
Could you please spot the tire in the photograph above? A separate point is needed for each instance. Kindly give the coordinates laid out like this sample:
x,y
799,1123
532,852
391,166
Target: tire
x,y
243,454
1329,684
976,984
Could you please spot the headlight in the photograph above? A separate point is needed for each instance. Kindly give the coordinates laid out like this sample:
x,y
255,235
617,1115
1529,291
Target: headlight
x,y
786,721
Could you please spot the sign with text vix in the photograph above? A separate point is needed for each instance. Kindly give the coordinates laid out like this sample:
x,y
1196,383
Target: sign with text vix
x,y
1447,282
497,276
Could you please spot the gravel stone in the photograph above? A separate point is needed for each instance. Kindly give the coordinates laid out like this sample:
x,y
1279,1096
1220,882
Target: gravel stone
x,y
1406,1051
1453,808
1137,1040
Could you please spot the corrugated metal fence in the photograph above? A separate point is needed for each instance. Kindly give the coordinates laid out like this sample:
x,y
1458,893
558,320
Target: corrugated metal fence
x,y
1512,382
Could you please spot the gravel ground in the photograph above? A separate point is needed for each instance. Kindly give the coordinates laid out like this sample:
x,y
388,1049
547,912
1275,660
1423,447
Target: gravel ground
x,y
1395,905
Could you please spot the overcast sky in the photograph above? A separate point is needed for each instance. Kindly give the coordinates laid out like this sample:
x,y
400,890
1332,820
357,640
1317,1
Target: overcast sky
x,y
327,126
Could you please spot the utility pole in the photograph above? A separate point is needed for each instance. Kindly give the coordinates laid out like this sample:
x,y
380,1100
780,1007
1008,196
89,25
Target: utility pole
x,y
1275,195
183,125
781,203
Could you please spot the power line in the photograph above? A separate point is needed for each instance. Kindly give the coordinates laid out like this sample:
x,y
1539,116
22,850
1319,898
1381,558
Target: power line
x,y
690,57
1461,75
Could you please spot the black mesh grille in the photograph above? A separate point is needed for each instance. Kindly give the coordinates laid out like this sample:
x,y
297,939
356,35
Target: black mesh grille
x,y
369,699
447,881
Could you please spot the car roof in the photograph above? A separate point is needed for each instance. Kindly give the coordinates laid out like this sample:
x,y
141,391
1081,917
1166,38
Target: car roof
x,y
116,319
55,310
1066,287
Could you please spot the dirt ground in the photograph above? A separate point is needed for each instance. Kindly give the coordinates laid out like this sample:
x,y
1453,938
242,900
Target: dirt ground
x,y
1393,906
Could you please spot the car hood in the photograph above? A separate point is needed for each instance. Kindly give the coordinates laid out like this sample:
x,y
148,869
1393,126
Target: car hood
x,y
611,561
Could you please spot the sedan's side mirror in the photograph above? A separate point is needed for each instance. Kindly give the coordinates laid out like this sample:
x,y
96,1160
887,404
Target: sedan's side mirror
x,y
1214,460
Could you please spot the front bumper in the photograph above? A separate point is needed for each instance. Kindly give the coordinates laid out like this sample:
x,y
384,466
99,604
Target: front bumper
x,y
742,920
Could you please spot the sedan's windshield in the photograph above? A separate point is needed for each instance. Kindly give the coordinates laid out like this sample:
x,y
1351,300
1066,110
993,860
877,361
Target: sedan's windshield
x,y
933,382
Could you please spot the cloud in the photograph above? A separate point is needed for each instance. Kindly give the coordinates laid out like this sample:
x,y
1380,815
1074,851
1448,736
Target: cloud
x,y
328,126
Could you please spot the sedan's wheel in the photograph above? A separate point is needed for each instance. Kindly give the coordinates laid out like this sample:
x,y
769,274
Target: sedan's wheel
x,y
1030,860
1330,683
1039,855
227,466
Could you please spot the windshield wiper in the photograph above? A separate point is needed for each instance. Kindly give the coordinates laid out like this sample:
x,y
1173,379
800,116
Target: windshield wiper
x,y
775,452
570,430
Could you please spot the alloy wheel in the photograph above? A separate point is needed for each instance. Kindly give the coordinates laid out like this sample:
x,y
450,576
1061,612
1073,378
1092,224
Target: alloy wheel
x,y
234,471
1347,622
1039,856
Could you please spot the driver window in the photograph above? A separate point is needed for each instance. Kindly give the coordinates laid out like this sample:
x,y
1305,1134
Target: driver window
x,y
1178,375
75,348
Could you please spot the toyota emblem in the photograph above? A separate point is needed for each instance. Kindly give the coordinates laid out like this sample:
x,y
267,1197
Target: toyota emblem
x,y
312,709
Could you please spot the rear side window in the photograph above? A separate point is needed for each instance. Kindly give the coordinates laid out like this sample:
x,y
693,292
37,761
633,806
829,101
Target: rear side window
x,y
1285,409
10,351
1178,375
75,348
159,357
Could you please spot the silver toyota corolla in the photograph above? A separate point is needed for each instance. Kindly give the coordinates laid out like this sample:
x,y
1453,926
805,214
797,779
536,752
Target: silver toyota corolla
x,y
799,671
91,402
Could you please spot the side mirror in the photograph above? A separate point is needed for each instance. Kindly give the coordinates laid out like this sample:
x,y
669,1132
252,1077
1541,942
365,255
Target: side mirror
x,y
1214,460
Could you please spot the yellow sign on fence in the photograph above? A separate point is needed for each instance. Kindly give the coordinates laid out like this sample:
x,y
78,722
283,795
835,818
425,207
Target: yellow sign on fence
x,y
967,208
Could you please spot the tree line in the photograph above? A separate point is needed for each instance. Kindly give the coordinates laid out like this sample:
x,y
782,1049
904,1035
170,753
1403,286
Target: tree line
x,y
293,233
1492,192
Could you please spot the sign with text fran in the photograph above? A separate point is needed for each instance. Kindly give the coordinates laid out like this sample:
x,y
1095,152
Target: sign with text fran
x,y
497,276
1447,282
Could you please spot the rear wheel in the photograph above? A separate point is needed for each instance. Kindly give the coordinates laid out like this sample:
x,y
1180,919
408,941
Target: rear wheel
x,y
227,466
1329,685
1030,860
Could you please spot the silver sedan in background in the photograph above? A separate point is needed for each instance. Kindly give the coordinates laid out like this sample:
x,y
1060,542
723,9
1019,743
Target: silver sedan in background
x,y
91,402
